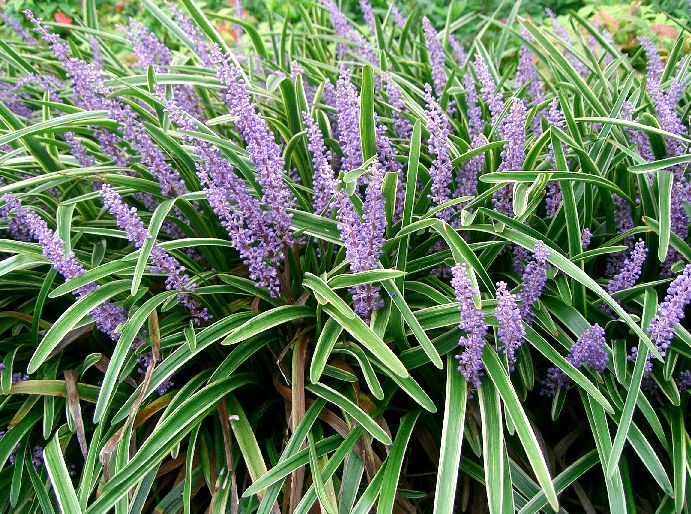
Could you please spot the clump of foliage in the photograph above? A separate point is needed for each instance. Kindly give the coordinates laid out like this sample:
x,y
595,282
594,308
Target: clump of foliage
x,y
343,268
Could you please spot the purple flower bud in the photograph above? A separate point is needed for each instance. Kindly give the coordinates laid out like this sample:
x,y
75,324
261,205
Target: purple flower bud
x,y
511,330
472,323
684,381
586,235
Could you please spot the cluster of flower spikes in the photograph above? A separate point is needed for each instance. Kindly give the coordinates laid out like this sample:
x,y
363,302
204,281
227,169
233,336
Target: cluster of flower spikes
x,y
590,348
262,148
92,93
107,316
239,212
363,238
176,277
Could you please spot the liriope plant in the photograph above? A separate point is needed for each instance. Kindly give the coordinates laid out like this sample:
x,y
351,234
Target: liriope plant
x,y
331,267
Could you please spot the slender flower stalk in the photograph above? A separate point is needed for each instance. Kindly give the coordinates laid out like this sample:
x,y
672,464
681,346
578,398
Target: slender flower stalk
x,y
396,15
511,331
561,32
471,169
201,48
472,323
526,74
177,278
534,280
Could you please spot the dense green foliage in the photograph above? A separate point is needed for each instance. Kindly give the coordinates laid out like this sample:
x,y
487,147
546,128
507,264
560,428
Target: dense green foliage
x,y
288,402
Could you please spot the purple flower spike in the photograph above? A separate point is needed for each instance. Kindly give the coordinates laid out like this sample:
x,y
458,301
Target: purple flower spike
x,y
176,277
526,74
348,108
513,154
439,146
684,381
106,316
396,16
458,51
586,236
401,124
534,280
590,348
472,323
148,50
368,14
637,137
17,28
511,329
345,31
201,47
261,147
363,239
488,89
630,270
671,311
436,57
323,182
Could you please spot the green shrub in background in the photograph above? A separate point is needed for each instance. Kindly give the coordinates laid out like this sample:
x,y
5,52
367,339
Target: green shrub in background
x,y
236,273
